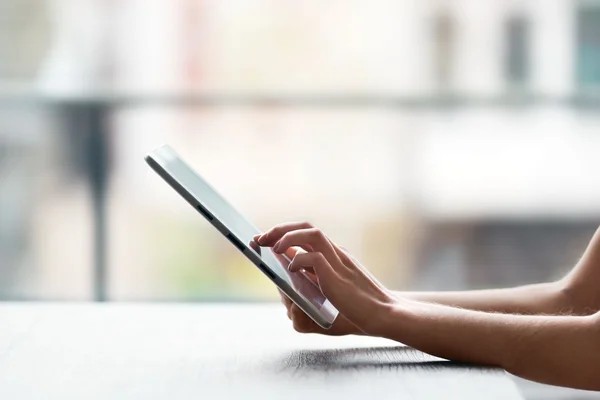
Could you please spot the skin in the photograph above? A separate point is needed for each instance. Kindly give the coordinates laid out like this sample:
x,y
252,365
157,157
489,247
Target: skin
x,y
548,333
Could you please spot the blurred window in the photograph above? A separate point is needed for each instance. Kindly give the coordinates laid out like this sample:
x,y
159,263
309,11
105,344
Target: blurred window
x,y
45,223
24,37
517,51
588,44
500,253
444,36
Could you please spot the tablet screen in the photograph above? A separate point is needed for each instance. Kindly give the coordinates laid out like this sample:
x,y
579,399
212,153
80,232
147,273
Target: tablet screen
x,y
213,205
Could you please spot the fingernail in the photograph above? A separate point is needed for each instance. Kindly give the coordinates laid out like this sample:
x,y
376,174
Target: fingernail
x,y
276,248
261,239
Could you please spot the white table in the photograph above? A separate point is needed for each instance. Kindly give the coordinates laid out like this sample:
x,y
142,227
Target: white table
x,y
203,351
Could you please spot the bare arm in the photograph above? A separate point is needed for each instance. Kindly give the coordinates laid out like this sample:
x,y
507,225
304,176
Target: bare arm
x,y
559,350
541,298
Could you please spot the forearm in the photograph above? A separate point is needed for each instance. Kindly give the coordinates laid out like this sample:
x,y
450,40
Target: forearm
x,y
543,298
559,350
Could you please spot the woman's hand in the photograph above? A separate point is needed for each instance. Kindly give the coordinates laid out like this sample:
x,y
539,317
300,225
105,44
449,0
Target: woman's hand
x,y
358,296
304,324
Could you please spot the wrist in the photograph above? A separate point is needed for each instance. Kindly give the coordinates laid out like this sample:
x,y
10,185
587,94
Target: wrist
x,y
385,314
397,319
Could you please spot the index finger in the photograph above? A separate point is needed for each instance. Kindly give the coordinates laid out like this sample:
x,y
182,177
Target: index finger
x,y
313,237
291,252
272,236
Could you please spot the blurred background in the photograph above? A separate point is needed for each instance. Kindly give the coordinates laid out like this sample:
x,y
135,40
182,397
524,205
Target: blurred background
x,y
447,144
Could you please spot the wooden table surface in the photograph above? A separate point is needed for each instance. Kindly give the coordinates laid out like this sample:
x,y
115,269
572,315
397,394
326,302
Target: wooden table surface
x,y
204,351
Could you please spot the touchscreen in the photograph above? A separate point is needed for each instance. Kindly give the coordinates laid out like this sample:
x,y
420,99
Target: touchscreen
x,y
239,226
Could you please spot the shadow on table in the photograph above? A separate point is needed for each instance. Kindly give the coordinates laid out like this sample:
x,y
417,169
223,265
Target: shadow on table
x,y
373,358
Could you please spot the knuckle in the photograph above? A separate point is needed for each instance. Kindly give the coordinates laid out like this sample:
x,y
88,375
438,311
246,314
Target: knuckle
x,y
298,327
297,313
318,256
276,229
316,233
286,237
301,326
306,224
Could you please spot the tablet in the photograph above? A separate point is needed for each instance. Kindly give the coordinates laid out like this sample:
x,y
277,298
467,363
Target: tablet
x,y
240,232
